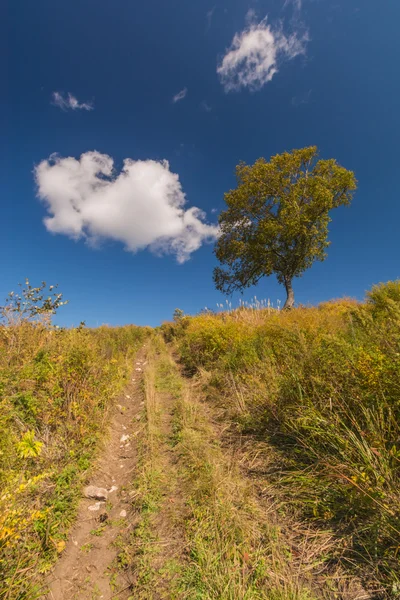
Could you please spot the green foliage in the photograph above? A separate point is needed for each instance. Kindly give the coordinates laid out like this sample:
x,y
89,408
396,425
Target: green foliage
x,y
277,218
178,314
322,385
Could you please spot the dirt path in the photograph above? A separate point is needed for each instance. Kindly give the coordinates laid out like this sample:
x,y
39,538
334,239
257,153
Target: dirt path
x,y
184,518
87,567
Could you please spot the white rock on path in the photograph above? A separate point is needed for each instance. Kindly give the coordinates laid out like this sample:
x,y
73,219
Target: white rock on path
x,y
122,513
96,506
113,489
98,493
124,438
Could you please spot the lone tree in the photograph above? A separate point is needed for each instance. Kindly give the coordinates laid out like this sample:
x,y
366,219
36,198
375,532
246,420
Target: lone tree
x,y
277,218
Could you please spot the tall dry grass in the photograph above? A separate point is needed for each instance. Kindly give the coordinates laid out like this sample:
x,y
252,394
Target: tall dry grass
x,y
322,385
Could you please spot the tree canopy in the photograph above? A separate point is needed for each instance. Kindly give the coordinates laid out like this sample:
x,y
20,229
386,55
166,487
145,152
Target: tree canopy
x,y
276,220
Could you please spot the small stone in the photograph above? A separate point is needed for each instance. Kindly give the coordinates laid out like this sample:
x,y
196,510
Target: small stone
x,y
124,438
97,493
113,489
138,369
123,427
138,417
127,397
122,513
94,506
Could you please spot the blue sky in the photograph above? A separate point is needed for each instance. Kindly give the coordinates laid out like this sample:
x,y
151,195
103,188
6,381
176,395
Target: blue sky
x,y
335,83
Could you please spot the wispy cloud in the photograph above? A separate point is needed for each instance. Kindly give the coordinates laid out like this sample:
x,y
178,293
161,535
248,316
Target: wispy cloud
x,y
205,106
209,17
69,102
180,95
256,54
303,98
297,4
143,206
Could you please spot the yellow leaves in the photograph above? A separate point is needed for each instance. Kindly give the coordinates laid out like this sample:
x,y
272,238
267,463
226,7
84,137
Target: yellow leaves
x,y
15,521
60,546
28,447
371,366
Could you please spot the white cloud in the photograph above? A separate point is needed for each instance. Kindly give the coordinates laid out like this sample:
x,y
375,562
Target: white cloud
x,y
256,54
69,102
180,95
142,206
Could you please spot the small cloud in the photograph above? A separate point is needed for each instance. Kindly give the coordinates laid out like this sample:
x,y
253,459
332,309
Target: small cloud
x,y
69,102
250,16
205,106
256,54
297,4
209,17
214,210
302,98
143,206
180,95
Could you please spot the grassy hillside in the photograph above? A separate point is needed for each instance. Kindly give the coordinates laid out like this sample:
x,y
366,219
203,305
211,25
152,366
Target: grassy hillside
x,y
268,459
321,385
56,387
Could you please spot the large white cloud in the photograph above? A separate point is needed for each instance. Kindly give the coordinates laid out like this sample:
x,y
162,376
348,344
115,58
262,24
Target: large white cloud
x,y
256,54
143,206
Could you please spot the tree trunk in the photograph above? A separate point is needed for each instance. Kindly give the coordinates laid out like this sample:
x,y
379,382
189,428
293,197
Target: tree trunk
x,y
289,294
